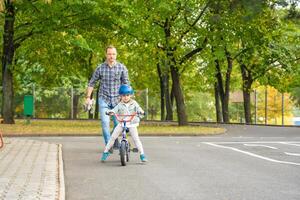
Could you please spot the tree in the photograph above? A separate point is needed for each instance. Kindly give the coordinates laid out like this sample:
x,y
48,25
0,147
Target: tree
x,y
173,29
35,20
7,62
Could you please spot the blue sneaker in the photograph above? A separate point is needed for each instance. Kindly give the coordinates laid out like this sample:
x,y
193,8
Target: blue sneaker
x,y
143,158
104,156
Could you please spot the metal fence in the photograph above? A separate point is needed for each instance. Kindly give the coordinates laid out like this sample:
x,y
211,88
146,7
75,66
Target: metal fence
x,y
268,106
62,103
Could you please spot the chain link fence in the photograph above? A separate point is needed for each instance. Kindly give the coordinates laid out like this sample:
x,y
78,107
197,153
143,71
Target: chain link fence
x,y
268,106
63,103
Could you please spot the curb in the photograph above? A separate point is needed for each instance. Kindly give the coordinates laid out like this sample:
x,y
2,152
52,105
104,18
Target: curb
x,y
100,135
61,180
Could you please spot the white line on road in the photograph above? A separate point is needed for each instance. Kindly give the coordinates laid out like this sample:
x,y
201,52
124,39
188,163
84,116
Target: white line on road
x,y
261,142
292,154
290,143
252,154
260,145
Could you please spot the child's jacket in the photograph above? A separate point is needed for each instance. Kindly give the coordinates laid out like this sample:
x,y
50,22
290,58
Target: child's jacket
x,y
127,109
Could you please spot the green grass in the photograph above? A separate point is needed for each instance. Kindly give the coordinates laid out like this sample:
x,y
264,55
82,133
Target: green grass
x,y
92,127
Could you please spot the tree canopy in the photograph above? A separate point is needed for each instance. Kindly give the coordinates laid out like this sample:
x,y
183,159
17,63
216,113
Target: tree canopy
x,y
175,48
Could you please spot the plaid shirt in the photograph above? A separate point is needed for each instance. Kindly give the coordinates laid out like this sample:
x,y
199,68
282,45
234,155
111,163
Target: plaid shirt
x,y
110,79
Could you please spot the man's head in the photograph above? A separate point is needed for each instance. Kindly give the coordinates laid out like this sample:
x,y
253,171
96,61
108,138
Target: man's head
x,y
111,54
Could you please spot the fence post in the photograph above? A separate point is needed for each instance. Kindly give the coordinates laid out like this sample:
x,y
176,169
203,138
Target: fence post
x,y
33,95
282,108
72,104
266,105
147,104
255,106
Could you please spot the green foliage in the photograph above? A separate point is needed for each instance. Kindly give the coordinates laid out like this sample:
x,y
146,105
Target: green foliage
x,y
60,43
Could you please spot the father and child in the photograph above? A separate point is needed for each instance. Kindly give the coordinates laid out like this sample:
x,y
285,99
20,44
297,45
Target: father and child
x,y
126,106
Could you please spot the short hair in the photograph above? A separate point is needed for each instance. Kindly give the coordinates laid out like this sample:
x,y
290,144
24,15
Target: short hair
x,y
110,47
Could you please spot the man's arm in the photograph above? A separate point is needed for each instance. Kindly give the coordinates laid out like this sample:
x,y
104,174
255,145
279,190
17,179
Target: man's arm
x,y
89,92
92,82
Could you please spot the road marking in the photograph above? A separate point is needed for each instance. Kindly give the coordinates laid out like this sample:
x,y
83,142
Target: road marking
x,y
260,145
292,154
261,142
291,143
252,154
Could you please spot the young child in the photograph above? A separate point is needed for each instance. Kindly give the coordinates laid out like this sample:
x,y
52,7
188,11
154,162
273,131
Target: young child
x,y
127,106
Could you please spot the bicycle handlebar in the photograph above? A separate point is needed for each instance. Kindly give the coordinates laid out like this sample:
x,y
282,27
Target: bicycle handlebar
x,y
125,116
130,116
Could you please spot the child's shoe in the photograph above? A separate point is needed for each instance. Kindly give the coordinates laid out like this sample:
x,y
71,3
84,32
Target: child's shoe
x,y
143,158
104,156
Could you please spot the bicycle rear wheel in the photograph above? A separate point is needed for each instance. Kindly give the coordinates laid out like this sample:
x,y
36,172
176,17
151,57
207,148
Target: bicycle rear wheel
x,y
123,153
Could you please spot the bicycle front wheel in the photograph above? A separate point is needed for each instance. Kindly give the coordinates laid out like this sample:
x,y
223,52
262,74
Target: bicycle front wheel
x,y
123,153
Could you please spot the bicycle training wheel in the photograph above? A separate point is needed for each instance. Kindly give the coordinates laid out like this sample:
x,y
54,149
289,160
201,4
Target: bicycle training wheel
x,y
123,154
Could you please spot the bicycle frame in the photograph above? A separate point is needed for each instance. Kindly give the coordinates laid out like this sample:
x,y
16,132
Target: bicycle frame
x,y
124,144
124,122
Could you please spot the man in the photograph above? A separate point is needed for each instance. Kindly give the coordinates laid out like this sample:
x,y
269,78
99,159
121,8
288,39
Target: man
x,y
111,75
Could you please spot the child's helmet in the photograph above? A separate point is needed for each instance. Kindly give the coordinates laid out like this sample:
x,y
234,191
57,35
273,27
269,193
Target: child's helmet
x,y
125,89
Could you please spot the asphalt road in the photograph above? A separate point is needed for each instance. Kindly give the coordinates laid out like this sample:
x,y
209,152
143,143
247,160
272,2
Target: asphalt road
x,y
245,163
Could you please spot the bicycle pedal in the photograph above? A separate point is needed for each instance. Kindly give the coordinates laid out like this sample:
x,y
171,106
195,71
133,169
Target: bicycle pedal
x,y
135,150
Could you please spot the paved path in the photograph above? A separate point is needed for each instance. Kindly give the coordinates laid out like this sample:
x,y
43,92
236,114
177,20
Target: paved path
x,y
31,170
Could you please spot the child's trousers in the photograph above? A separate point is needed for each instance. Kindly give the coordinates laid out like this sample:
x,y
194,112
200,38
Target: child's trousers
x,y
134,134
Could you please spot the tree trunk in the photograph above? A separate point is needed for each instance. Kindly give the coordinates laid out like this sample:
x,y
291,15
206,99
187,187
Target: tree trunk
x,y
96,112
176,86
162,92
222,93
247,83
227,86
165,101
7,64
247,106
217,104
75,106
181,111
169,102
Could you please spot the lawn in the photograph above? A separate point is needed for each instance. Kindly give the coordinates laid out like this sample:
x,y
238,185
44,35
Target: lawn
x,y
92,127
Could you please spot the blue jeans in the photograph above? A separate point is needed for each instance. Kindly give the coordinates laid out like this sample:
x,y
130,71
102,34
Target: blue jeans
x,y
105,120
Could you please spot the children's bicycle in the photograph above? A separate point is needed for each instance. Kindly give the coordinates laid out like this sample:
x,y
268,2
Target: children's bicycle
x,y
124,147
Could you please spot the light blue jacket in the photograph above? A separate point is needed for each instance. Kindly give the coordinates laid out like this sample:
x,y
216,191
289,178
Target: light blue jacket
x,y
127,109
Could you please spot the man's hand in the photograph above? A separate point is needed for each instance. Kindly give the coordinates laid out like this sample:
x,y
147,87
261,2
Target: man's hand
x,y
87,101
89,104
